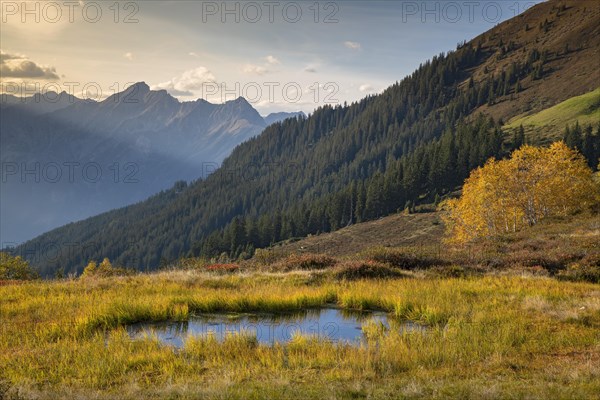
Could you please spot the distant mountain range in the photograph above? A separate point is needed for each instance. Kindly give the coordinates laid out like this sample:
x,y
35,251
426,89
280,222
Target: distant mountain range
x,y
65,159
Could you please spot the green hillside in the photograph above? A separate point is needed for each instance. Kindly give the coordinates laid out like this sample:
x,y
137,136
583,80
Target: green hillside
x,y
551,122
584,108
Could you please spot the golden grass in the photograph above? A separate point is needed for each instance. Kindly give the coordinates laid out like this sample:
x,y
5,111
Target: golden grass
x,y
489,337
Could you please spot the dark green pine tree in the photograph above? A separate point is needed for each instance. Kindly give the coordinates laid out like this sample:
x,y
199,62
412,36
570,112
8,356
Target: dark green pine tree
x,y
573,137
519,137
375,201
361,197
591,146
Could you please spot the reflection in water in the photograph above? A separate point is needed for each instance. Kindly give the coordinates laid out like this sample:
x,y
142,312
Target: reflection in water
x,y
328,324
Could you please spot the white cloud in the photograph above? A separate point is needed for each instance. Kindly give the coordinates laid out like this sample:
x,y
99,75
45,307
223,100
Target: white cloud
x,y
255,69
352,45
366,88
128,56
192,54
188,82
272,60
262,69
19,66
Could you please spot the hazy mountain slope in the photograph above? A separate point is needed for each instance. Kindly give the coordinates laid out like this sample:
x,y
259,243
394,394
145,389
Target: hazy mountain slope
x,y
140,142
40,103
341,165
280,116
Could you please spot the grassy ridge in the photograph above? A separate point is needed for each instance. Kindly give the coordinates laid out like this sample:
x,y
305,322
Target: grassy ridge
x,y
551,122
584,108
490,336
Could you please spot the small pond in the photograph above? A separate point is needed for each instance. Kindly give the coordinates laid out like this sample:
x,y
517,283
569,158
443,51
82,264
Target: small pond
x,y
329,323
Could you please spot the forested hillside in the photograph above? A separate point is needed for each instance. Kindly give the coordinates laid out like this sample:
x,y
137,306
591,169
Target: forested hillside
x,y
412,144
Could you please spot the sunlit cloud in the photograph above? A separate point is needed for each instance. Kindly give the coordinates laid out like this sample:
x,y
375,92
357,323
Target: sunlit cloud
x,y
272,60
255,69
19,66
188,82
352,45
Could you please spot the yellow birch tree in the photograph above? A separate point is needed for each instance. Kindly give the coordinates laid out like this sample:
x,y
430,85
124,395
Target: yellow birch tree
x,y
507,195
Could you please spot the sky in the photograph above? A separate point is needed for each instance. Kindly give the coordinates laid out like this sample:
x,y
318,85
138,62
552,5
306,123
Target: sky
x,y
279,55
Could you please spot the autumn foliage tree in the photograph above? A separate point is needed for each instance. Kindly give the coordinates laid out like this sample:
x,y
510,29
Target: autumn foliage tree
x,y
506,195
104,269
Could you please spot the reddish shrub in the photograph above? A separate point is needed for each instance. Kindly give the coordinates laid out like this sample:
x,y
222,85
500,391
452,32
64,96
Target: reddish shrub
x,y
591,260
4,282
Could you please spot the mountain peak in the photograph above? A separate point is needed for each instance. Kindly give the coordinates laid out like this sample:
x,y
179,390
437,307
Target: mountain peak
x,y
239,100
132,94
241,104
140,87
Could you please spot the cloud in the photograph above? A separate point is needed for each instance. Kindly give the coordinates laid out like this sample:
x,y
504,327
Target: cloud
x,y
128,56
366,88
5,56
18,66
188,82
352,45
311,69
272,60
255,69
192,54
263,68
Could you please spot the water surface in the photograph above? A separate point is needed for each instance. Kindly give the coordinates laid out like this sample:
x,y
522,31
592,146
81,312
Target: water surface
x,y
330,324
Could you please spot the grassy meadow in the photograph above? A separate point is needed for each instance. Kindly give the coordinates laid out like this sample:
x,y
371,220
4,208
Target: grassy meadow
x,y
584,109
492,336
549,124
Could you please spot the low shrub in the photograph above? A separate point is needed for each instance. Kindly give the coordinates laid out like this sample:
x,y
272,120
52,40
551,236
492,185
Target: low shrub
x,y
269,256
581,273
305,262
536,270
352,270
591,260
401,259
5,282
551,261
